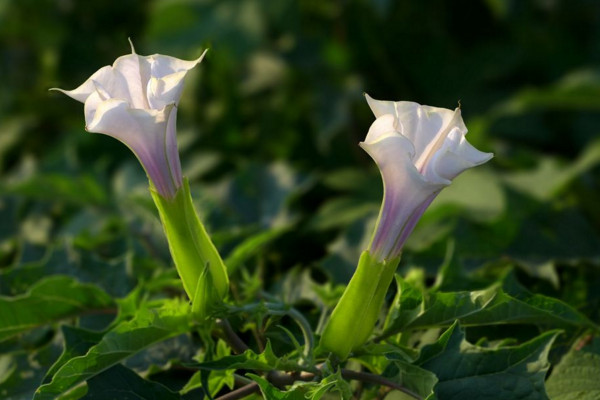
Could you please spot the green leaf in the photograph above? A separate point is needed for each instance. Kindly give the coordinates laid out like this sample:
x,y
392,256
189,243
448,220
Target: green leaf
x,y
272,393
466,371
217,378
77,343
412,377
265,361
50,300
576,376
504,303
126,339
515,304
121,383
334,382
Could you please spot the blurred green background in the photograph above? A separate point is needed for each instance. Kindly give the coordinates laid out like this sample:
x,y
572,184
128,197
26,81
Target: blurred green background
x,y
268,132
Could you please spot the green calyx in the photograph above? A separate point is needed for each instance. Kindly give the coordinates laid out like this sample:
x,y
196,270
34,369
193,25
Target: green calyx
x,y
196,258
355,315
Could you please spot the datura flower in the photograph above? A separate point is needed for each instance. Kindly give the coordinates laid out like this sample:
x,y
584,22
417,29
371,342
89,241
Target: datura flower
x,y
419,150
135,101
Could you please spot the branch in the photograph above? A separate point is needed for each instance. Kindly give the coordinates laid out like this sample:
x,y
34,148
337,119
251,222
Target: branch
x,y
241,392
236,343
377,379
281,379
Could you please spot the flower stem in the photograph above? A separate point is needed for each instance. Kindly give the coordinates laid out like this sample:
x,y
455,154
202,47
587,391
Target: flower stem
x,y
356,314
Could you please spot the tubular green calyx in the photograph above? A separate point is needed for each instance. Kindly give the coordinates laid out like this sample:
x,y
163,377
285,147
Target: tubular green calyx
x,y
197,260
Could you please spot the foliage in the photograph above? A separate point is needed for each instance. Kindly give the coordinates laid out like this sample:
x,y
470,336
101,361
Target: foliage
x,y
496,287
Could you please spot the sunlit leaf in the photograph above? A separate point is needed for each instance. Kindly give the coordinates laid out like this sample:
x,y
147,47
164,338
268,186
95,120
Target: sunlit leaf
x,y
467,371
576,376
126,339
50,300
121,383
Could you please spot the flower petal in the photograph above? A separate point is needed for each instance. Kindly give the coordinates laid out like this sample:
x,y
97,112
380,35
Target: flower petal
x,y
166,83
380,107
406,194
384,125
162,91
150,134
426,127
84,90
455,156
132,72
162,66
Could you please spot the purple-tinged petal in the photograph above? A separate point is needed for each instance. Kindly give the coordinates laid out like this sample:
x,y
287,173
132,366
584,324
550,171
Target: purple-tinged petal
x,y
405,191
150,134
419,150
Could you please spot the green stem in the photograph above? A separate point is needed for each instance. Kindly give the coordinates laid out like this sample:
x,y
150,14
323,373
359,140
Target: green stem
x,y
196,258
356,314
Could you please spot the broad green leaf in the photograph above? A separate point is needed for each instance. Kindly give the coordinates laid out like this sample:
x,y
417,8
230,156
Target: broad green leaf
x,y
121,383
504,303
515,304
412,377
466,371
149,326
576,376
50,300
407,306
77,343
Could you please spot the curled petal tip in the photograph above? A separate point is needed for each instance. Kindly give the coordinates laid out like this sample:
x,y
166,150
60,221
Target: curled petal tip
x,y
55,89
199,59
131,44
